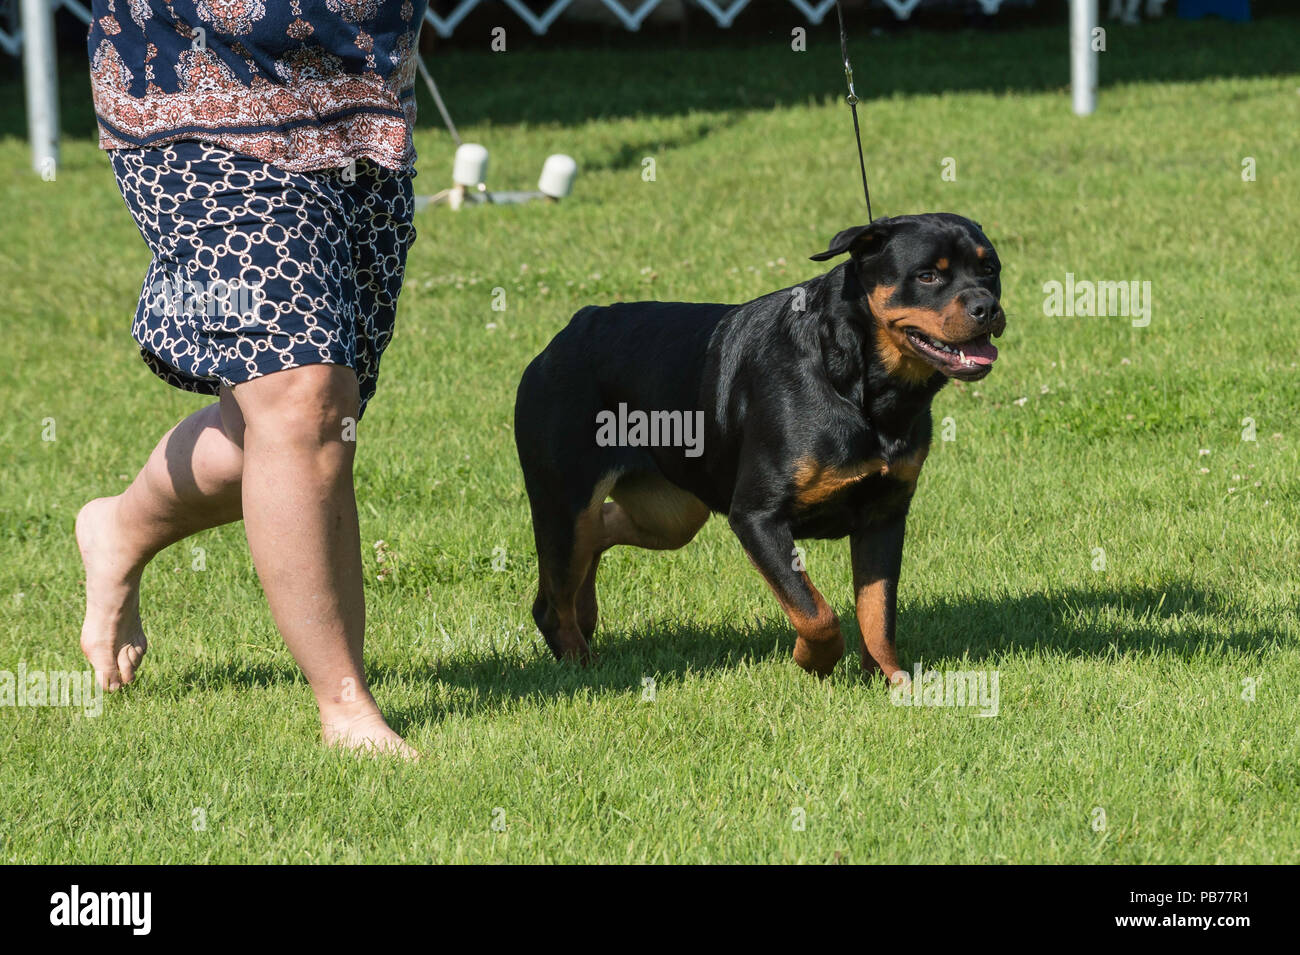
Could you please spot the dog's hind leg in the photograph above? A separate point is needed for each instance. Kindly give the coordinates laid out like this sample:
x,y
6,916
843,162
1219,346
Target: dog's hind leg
x,y
556,610
646,511
568,546
587,606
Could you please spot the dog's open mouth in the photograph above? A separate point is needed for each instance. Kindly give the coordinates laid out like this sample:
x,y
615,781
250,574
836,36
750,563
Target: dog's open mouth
x,y
969,360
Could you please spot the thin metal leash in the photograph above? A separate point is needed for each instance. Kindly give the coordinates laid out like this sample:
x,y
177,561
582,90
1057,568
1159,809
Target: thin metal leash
x,y
852,100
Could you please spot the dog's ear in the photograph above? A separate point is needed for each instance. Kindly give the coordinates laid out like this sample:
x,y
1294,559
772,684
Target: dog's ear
x,y
859,239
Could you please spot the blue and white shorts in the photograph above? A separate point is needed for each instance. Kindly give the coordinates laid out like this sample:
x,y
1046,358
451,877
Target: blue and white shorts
x,y
257,269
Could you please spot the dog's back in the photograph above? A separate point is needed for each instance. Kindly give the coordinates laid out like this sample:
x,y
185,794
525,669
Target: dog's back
x,y
650,353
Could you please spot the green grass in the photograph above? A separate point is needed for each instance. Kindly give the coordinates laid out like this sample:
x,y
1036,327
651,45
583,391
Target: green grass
x,y
1120,689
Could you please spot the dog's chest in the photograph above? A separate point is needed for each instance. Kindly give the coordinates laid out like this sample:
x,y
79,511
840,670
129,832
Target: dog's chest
x,y
832,497
816,482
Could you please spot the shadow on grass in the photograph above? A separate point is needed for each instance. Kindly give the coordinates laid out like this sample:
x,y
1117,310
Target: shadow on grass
x,y
1178,620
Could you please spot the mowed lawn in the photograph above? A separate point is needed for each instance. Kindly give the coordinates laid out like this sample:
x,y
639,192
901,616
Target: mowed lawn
x,y
1148,702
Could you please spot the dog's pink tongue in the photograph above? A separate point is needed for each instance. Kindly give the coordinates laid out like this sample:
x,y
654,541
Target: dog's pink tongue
x,y
982,352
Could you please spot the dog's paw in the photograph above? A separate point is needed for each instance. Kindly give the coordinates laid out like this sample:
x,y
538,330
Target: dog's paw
x,y
818,657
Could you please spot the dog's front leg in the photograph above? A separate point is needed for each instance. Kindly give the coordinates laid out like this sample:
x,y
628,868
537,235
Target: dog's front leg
x,y
877,557
769,543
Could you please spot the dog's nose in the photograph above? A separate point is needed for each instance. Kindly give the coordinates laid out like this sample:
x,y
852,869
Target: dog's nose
x,y
985,312
980,311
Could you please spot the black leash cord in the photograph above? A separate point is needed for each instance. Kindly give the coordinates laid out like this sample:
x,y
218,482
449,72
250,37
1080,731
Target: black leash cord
x,y
852,99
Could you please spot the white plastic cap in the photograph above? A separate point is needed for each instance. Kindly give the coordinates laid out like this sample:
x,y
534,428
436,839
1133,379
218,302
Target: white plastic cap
x,y
471,165
558,174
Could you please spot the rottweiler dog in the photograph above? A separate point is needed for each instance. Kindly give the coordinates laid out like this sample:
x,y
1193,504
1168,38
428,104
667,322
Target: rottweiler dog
x,y
801,414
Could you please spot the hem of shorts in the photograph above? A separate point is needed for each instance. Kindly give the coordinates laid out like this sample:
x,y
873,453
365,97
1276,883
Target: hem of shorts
x,y
234,374
303,351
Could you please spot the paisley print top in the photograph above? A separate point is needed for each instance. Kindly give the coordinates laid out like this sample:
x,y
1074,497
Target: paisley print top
x,y
300,84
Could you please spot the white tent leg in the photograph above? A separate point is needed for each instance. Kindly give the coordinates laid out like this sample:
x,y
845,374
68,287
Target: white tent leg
x,y
41,79
1083,60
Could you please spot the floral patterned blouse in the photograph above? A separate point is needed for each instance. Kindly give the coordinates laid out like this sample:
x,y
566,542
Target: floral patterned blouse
x,y
301,84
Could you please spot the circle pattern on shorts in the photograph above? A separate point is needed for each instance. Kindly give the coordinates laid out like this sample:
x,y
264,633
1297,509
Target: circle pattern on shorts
x,y
257,269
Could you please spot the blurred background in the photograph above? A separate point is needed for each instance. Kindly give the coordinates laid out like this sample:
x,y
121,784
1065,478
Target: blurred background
x,y
665,35
1170,446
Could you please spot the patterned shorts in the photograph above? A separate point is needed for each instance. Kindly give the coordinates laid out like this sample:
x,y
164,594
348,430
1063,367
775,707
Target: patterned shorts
x,y
256,269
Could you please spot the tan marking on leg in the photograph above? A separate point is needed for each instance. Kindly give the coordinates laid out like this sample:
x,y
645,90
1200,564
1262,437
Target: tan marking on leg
x,y
647,511
819,644
568,594
585,603
872,610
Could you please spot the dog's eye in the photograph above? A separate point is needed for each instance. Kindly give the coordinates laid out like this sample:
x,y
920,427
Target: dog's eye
x,y
927,278
987,269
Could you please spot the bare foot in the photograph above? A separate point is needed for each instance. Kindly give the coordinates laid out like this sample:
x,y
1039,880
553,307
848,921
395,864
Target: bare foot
x,y
111,635
368,733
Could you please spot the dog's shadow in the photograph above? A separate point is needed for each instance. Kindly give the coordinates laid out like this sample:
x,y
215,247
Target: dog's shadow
x,y
1177,620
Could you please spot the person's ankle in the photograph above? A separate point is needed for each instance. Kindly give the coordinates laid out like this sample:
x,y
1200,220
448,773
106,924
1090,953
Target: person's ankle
x,y
341,713
118,540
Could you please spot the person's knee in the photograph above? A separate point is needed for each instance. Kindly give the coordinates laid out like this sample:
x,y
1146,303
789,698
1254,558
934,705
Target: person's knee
x,y
312,406
229,418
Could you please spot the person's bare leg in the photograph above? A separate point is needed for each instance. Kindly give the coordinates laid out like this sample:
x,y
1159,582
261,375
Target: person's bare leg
x,y
190,483
300,516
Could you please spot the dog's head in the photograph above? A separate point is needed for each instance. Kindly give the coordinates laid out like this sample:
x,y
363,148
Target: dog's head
x,y
932,284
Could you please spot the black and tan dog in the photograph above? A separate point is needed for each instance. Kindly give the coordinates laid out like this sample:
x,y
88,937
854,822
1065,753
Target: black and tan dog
x,y
804,413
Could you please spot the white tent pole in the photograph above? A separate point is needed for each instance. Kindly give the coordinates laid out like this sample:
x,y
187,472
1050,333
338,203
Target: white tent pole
x,y
41,79
1083,59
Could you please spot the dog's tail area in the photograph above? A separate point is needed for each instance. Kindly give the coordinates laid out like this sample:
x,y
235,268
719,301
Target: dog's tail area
x,y
553,386
555,434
